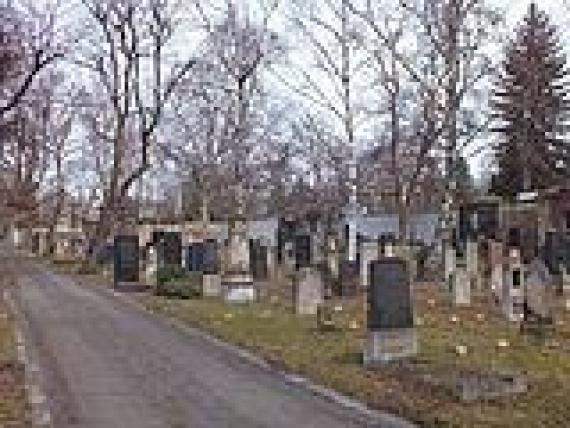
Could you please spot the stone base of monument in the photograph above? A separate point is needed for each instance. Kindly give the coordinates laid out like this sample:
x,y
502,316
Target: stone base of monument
x,y
211,285
383,346
239,288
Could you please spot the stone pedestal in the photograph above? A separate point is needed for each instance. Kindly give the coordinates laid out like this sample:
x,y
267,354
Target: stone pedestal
x,y
211,285
383,346
309,292
238,288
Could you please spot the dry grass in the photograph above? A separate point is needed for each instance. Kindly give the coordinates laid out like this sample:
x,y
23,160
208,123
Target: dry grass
x,y
419,389
12,393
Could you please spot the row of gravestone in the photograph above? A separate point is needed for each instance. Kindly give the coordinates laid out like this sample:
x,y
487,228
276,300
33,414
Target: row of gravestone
x,y
202,256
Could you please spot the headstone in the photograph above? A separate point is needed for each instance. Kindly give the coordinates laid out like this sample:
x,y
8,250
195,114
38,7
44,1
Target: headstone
x,y
258,252
472,264
349,278
303,251
211,285
239,257
496,261
449,263
537,287
168,249
513,287
391,333
554,251
368,252
309,293
151,266
126,259
461,287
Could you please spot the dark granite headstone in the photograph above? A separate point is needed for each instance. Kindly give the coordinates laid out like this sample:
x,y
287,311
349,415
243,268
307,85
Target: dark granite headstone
x,y
195,257
210,259
126,258
487,219
169,249
553,254
389,296
302,251
258,259
285,233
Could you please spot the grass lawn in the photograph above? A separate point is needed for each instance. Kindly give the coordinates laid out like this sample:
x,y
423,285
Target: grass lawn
x,y
420,389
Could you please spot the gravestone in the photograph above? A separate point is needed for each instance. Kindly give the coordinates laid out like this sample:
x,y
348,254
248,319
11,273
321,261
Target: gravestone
x,y
258,252
461,286
554,251
126,259
537,290
349,278
390,327
303,251
211,285
309,293
285,234
151,266
472,264
238,288
168,249
449,262
195,255
369,252
513,287
496,260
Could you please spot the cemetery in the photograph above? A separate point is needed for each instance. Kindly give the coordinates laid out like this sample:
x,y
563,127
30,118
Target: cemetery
x,y
360,312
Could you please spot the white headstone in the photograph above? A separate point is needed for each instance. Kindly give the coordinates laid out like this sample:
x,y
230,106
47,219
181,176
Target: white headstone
x,y
461,287
211,285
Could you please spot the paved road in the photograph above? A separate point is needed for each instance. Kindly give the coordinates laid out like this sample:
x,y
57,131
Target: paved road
x,y
106,364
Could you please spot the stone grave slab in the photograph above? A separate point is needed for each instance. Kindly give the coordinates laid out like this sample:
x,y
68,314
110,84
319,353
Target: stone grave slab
x,y
211,285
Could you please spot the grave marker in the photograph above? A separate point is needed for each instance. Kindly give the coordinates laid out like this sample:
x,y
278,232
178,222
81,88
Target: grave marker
x,y
309,293
126,259
391,333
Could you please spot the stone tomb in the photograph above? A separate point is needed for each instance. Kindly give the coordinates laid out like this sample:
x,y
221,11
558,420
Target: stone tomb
x,y
125,259
309,292
390,328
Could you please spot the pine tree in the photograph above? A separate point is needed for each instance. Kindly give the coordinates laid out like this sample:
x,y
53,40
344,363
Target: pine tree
x,y
531,104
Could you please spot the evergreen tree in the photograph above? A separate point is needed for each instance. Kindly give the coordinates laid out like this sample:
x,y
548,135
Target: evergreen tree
x,y
531,104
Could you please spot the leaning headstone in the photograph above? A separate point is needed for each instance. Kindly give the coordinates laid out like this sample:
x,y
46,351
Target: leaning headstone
x,y
309,293
126,259
390,333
